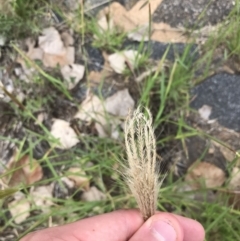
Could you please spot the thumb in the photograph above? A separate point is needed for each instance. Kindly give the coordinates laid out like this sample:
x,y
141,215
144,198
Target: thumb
x,y
160,227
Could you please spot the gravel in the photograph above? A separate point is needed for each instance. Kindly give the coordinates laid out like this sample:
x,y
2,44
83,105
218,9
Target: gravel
x,y
221,92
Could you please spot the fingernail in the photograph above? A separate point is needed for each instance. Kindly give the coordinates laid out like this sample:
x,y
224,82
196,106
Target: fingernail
x,y
163,231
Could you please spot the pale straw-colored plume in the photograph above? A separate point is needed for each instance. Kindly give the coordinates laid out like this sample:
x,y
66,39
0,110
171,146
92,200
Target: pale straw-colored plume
x,y
141,172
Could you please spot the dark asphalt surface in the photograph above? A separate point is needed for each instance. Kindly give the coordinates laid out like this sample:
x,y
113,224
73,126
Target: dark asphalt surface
x,y
184,13
192,13
157,50
222,93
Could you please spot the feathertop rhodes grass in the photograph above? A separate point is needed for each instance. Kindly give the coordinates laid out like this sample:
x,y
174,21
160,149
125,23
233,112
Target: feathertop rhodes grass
x,y
142,170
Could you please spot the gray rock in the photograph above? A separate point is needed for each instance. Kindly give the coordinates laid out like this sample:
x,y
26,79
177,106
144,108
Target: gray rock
x,y
192,13
221,92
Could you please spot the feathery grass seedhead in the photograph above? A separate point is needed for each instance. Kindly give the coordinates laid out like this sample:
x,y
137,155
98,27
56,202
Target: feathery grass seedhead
x,y
141,173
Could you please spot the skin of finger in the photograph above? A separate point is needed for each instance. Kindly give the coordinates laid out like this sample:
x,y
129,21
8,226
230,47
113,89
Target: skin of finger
x,y
145,232
185,228
193,230
115,226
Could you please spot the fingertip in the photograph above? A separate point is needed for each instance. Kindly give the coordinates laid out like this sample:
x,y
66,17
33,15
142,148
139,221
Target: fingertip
x,y
191,228
159,227
200,231
172,228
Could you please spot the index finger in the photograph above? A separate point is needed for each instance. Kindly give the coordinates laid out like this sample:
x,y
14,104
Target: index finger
x,y
115,226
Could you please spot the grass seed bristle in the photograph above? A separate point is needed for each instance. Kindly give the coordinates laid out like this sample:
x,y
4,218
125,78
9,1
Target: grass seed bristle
x,y
141,172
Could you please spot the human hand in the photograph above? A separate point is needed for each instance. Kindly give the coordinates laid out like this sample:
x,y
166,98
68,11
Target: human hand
x,y
124,225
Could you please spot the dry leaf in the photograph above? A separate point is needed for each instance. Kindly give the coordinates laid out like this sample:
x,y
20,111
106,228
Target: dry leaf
x,y
72,74
163,32
231,140
51,43
146,73
140,11
92,108
69,183
140,34
117,60
204,173
105,23
120,103
119,15
24,170
234,183
54,50
93,194
79,177
19,208
117,105
227,153
42,197
67,39
50,60
138,17
109,128
40,118
205,111
234,188
62,131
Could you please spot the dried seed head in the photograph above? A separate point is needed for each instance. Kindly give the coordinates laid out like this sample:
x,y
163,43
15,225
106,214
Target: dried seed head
x,y
141,172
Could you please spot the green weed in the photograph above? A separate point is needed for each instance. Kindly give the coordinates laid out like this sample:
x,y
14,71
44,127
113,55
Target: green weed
x,y
20,18
165,90
109,38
